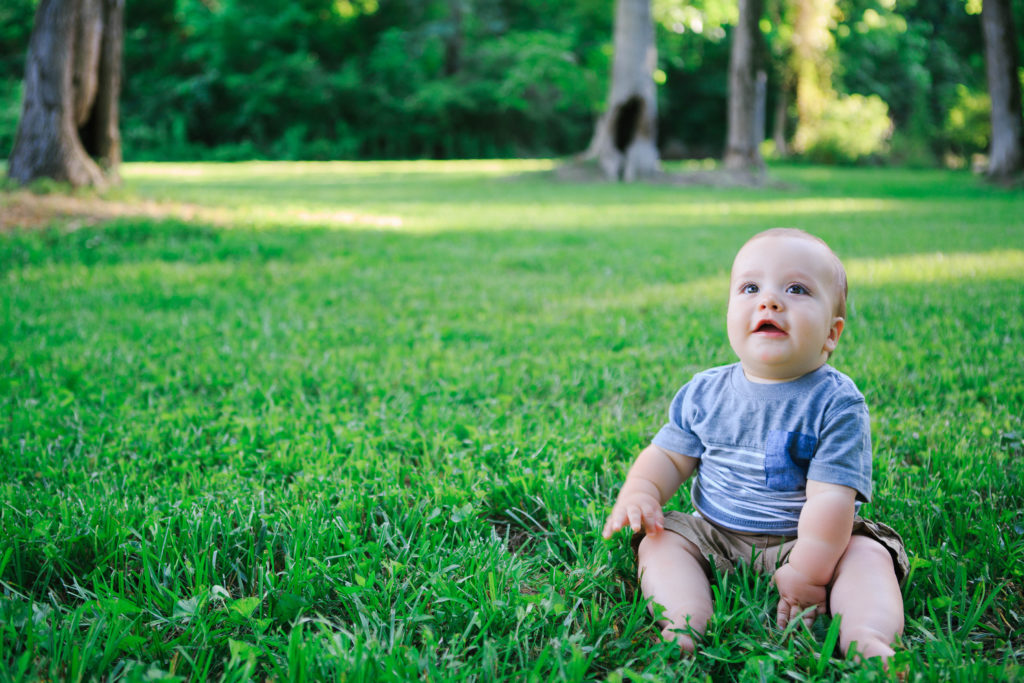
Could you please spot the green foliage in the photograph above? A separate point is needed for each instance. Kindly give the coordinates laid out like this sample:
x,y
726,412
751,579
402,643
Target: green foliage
x,y
327,80
15,29
692,106
516,93
10,112
968,125
883,53
363,421
852,128
542,79
352,79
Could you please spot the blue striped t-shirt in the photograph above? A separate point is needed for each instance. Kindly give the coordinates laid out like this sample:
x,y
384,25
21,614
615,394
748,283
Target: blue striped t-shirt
x,y
758,444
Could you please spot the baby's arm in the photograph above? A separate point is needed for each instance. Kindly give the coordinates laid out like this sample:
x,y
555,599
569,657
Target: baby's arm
x,y
652,480
826,522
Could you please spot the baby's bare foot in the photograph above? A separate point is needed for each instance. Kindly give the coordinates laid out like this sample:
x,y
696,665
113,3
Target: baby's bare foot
x,y
877,649
871,648
680,638
869,643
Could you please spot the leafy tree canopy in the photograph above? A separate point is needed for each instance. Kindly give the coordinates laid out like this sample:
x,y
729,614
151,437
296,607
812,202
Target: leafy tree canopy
x,y
471,78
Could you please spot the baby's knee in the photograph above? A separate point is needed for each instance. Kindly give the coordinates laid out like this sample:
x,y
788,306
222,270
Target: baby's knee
x,y
664,543
862,549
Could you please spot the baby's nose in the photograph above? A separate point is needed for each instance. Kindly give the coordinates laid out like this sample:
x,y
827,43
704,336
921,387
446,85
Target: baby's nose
x,y
770,301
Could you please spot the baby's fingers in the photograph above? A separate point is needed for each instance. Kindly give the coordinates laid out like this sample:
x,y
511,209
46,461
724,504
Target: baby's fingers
x,y
616,520
654,520
637,513
809,615
646,516
782,614
789,612
636,517
803,613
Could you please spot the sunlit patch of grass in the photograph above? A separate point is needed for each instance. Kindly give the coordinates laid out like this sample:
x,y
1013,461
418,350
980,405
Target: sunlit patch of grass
x,y
710,291
334,169
939,267
269,441
796,206
345,194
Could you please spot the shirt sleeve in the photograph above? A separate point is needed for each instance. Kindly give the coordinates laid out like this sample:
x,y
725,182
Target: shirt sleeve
x,y
676,435
843,455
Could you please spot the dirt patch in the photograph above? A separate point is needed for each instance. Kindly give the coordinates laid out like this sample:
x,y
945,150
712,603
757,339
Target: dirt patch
x,y
589,172
515,536
22,209
26,210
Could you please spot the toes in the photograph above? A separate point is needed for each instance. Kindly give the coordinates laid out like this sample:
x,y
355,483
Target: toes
x,y
676,635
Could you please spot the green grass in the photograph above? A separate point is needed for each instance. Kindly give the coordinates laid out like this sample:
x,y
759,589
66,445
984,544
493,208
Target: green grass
x,y
364,421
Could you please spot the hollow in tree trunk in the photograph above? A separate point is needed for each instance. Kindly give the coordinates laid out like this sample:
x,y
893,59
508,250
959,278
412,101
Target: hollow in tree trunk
x,y
69,129
625,137
746,126
1006,156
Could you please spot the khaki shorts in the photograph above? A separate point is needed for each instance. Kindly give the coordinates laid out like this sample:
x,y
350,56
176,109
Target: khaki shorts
x,y
725,548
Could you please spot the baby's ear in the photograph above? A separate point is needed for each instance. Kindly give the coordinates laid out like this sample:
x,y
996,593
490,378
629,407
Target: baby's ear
x,y
834,332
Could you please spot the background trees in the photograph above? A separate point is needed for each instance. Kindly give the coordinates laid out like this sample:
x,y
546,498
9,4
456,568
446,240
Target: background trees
x,y
1007,154
746,99
329,79
625,137
68,127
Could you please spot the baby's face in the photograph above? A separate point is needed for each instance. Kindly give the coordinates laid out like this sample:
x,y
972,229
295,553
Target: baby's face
x,y
781,320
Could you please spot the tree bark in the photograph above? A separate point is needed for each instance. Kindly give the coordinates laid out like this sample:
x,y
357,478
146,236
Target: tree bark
x,y
782,62
1006,156
453,42
625,137
100,131
781,116
742,150
812,39
72,82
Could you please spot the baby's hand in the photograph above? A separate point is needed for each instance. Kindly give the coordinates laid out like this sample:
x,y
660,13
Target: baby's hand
x,y
638,510
796,594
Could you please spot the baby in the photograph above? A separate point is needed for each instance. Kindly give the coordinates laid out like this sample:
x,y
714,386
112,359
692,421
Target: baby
x,y
781,446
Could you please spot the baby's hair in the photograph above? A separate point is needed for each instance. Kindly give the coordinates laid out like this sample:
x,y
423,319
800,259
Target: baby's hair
x,y
841,286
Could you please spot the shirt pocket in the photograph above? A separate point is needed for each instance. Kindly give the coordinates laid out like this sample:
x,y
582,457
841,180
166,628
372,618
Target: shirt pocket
x,y
787,457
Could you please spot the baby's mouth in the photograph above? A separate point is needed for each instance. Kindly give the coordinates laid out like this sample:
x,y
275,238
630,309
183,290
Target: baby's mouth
x,y
768,327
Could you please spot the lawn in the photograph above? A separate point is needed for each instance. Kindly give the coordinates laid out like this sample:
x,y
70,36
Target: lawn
x,y
363,421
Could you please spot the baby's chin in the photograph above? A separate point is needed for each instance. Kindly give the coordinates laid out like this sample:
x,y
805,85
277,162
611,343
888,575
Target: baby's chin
x,y
760,373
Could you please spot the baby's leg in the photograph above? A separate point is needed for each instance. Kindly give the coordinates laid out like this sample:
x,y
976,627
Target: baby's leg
x,y
867,595
672,575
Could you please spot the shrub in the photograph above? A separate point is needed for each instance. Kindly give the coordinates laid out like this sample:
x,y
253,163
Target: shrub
x,y
968,126
851,128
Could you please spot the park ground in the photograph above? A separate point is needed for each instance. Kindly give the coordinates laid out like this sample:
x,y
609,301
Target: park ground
x,y
363,421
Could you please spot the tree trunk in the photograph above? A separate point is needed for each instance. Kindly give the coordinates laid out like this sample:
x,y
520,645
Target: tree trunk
x,y
453,42
812,39
782,63
742,151
72,82
1006,156
625,137
781,116
100,131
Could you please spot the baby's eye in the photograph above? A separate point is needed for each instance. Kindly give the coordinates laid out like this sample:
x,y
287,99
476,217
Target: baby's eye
x,y
797,288
749,288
